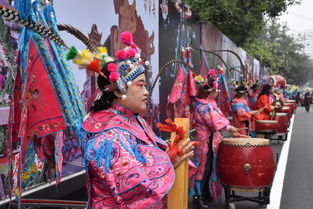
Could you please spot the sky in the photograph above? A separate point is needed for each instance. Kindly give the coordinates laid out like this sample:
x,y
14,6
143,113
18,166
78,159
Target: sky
x,y
299,17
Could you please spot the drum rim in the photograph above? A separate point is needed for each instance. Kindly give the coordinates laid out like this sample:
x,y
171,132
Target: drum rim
x,y
247,188
282,113
267,121
266,131
286,107
242,142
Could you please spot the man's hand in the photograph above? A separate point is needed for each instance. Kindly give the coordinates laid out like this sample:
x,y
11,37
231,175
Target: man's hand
x,y
187,148
232,129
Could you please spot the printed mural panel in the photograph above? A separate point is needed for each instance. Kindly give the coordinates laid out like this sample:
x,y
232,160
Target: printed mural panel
x,y
177,30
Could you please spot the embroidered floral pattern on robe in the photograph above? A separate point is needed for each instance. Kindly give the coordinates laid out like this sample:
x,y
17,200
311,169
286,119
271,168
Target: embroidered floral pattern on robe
x,y
209,119
126,163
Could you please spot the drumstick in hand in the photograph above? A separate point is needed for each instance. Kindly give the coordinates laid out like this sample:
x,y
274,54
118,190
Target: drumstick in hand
x,y
239,129
236,134
261,109
244,136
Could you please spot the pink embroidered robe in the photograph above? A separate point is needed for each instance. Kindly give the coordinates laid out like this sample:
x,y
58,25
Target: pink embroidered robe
x,y
126,162
209,119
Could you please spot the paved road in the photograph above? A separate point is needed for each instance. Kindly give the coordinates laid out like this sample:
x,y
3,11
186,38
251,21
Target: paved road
x,y
298,182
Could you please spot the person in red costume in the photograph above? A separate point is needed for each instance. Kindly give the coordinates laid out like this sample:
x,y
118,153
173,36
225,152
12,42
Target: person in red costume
x,y
264,101
242,114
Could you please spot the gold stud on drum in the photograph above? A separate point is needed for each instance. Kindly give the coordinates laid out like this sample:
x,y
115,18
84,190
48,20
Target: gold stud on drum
x,y
247,168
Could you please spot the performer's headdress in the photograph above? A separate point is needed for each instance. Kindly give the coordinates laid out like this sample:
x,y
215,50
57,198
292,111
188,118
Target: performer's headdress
x,y
241,89
255,85
126,68
240,86
128,65
211,81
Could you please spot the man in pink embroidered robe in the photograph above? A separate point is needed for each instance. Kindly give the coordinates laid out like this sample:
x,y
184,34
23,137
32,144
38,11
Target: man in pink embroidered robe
x,y
127,164
209,122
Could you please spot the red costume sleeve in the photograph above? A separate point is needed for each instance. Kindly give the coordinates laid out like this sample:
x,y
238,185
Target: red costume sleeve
x,y
243,114
264,101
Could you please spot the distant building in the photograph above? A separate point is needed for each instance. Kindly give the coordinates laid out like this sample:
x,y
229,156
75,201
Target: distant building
x,y
309,43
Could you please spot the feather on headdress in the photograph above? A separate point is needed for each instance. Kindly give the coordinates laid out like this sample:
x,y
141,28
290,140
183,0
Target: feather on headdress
x,y
127,66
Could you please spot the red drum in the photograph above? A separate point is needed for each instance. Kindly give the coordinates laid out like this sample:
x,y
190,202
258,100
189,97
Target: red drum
x,y
286,109
246,163
291,101
283,121
292,105
277,81
266,126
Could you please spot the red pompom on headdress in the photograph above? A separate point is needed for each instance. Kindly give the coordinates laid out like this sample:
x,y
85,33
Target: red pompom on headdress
x,y
131,53
121,54
215,84
212,79
113,76
211,72
132,45
112,67
127,38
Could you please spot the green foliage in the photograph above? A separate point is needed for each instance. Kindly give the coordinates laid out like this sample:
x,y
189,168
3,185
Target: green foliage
x,y
282,52
240,20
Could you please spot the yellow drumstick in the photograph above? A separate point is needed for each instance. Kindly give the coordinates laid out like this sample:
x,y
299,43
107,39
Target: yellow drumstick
x,y
239,129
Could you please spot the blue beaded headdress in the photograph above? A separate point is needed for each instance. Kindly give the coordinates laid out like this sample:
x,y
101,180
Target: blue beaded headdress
x,y
129,65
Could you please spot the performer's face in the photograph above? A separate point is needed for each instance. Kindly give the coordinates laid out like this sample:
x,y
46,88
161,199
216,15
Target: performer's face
x,y
137,95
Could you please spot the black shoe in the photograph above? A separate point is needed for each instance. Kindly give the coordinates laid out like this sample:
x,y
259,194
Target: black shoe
x,y
200,202
207,196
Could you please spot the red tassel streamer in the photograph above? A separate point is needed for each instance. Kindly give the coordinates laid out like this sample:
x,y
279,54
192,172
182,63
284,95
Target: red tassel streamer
x,y
94,66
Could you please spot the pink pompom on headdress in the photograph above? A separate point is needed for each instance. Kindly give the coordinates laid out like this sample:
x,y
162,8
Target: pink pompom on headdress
x,y
211,79
121,54
211,72
131,53
128,64
133,46
113,76
215,84
112,67
127,38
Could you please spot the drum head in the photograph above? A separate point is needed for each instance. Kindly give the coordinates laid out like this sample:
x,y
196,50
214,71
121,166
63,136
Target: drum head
x,y
267,121
281,114
246,141
291,101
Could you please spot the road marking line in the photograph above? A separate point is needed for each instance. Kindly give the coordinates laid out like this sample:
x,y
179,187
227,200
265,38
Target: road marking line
x,y
278,183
